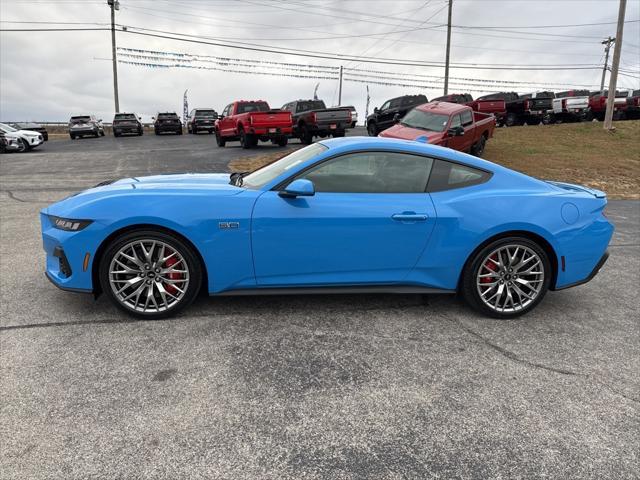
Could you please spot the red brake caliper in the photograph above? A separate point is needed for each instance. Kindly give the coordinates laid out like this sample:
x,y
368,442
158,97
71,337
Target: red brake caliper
x,y
490,266
172,275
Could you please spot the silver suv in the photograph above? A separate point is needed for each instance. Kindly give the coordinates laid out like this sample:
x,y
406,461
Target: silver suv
x,y
85,125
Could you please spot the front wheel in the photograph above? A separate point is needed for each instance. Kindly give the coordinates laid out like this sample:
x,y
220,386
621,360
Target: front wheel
x,y
23,146
150,274
372,130
219,140
511,120
507,278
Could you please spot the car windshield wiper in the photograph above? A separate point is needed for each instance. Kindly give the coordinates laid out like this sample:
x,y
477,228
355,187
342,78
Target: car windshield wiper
x,y
236,178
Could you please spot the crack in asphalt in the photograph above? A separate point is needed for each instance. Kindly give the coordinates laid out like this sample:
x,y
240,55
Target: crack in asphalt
x,y
514,357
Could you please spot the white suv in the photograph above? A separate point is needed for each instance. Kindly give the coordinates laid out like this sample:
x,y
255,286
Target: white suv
x,y
26,139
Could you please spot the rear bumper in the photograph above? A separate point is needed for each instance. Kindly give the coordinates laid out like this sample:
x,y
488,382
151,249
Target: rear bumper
x,y
271,131
590,277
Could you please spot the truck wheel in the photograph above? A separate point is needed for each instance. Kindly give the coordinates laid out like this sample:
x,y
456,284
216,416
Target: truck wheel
x,y
478,148
219,140
372,130
353,124
282,141
547,119
511,120
73,137
306,136
245,140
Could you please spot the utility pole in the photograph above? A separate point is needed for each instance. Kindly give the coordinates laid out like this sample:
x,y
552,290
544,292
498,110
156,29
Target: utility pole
x,y
340,88
613,79
607,45
115,5
446,66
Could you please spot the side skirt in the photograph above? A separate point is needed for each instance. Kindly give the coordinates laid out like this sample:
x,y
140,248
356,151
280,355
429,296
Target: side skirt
x,y
395,289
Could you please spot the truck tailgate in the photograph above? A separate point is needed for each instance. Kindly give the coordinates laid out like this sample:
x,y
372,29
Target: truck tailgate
x,y
279,118
333,115
490,106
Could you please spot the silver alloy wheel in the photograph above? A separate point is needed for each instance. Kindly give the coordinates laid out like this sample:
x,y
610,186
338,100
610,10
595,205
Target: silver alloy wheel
x,y
510,278
148,276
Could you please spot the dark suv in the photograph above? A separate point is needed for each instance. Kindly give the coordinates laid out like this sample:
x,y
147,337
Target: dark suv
x,y
383,117
167,122
126,123
202,119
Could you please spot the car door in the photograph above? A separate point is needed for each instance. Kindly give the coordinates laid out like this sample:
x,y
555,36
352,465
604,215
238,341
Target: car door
x,y
385,119
367,223
226,124
462,143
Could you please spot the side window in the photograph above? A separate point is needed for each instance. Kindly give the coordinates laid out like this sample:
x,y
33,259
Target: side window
x,y
456,121
467,118
396,102
372,172
385,106
448,175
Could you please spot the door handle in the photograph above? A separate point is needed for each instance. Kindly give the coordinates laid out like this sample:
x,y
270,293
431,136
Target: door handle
x,y
409,217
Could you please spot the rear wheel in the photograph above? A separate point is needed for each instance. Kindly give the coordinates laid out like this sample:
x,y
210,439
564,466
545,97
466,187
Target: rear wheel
x,y
306,136
150,274
511,120
372,129
478,148
507,278
282,141
246,141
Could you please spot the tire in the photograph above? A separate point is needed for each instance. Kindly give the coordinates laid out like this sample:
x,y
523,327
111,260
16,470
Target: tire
x,y
353,124
485,271
588,116
72,136
478,148
372,129
23,146
97,133
306,136
102,133
183,284
116,134
140,132
511,120
219,140
179,132
246,141
282,141
156,132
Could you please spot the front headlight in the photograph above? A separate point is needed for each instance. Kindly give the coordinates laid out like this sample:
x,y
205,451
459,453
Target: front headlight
x,y
68,224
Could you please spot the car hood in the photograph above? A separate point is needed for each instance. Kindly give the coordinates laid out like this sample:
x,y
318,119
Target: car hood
x,y
28,133
408,133
153,186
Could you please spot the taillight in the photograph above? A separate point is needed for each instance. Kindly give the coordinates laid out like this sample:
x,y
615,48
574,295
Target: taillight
x,y
313,117
564,104
527,104
350,117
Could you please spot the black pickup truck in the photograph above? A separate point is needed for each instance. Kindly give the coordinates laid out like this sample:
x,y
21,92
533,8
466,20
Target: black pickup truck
x,y
530,108
311,118
391,111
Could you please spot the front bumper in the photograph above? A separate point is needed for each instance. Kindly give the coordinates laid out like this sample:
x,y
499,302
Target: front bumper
x,y
65,255
83,131
34,141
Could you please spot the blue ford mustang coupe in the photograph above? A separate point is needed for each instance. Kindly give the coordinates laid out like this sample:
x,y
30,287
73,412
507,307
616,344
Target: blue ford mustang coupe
x,y
353,214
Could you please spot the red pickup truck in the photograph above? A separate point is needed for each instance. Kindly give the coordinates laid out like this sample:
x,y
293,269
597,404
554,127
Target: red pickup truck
x,y
447,124
598,105
250,121
496,106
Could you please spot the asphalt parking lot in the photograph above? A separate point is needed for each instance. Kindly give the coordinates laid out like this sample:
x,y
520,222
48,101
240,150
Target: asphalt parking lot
x,y
344,387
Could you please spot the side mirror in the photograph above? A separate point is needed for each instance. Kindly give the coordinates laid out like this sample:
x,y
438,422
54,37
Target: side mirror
x,y
456,132
298,188
396,118
376,110
220,117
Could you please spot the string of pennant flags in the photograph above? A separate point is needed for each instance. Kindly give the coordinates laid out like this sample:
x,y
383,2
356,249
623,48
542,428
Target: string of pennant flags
x,y
165,59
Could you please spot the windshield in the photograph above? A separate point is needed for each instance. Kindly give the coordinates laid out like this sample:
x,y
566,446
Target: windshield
x,y
124,116
311,105
433,122
267,173
164,116
6,128
75,120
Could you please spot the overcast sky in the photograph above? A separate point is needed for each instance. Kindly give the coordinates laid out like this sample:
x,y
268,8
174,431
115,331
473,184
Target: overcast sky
x,y
48,76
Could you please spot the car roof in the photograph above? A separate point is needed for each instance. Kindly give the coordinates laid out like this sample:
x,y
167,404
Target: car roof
x,y
442,107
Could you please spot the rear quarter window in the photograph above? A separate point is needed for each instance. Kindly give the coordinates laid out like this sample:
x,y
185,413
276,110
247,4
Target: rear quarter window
x,y
449,175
